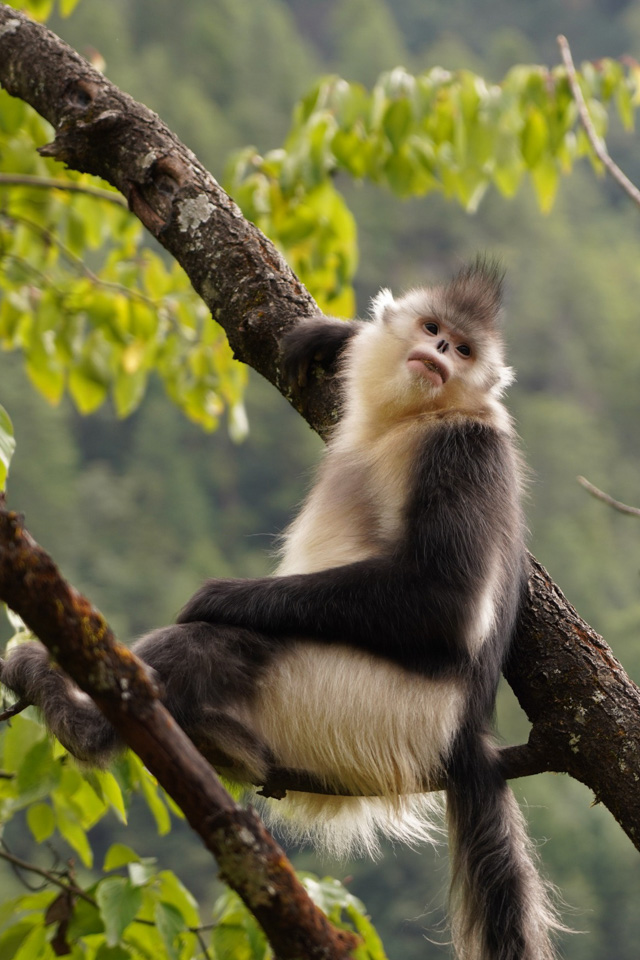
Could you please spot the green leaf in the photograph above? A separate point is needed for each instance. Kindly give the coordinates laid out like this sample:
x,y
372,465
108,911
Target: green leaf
x,y
67,7
372,947
119,855
46,374
86,388
128,390
535,137
12,113
41,821
78,795
85,921
72,832
151,793
11,939
397,122
39,9
173,891
38,767
7,445
142,872
108,788
34,946
545,180
119,901
106,952
19,738
624,103
170,924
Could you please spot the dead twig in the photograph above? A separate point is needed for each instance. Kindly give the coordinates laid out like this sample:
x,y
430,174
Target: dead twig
x,y
598,144
601,495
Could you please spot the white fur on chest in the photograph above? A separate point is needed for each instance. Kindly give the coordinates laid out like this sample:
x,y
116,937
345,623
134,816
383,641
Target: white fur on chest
x,y
356,506
350,718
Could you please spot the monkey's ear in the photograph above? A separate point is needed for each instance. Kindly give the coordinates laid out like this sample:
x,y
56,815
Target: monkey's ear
x,y
382,303
507,377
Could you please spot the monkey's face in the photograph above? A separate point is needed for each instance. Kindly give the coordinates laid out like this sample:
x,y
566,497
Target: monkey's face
x,y
439,353
433,347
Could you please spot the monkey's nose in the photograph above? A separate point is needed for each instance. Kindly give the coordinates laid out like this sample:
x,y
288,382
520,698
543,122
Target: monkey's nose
x,y
442,346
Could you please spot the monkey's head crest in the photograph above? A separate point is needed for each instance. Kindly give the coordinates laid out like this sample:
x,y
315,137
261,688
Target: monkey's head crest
x,y
471,301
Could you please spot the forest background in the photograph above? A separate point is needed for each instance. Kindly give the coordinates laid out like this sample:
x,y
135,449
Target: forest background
x,y
139,511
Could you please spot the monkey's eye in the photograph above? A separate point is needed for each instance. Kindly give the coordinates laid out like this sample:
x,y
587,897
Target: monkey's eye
x,y
464,349
431,327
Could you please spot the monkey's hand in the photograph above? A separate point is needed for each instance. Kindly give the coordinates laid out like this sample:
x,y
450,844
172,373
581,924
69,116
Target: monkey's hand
x,y
318,340
217,601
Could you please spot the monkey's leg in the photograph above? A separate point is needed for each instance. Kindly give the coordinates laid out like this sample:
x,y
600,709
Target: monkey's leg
x,y
209,675
70,714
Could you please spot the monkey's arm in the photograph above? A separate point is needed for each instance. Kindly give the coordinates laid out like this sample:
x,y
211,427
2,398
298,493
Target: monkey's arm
x,y
414,604
319,339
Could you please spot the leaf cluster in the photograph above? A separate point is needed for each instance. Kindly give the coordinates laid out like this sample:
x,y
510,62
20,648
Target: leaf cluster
x,y
42,9
91,306
451,133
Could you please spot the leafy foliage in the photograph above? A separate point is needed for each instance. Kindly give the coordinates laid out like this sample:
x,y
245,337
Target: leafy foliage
x,y
101,330
135,910
237,935
340,132
451,133
98,330
7,445
42,9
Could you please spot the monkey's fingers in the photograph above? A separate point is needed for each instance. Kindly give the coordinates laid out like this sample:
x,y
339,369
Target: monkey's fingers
x,y
14,710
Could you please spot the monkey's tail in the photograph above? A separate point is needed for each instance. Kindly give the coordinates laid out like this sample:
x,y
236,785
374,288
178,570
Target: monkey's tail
x,y
501,908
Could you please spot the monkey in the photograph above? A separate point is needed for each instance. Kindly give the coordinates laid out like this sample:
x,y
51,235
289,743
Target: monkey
x,y
371,658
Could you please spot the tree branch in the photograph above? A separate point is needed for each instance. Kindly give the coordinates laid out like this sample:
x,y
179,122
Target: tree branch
x,y
597,143
601,495
51,183
584,709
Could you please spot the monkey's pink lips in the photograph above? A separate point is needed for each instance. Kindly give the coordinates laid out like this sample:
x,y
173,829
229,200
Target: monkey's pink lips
x,y
425,365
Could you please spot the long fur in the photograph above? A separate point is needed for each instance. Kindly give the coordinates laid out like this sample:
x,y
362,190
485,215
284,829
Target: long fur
x,y
371,659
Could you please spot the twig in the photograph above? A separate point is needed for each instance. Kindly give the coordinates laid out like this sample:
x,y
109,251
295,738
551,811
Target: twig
x,y
70,887
50,183
601,495
67,885
598,144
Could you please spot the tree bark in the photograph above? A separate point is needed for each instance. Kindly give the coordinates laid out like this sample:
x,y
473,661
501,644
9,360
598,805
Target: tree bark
x,y
585,712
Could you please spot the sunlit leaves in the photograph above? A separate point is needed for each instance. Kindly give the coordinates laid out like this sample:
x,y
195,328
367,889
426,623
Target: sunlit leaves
x,y
453,133
135,911
97,313
118,901
7,445
94,311
42,9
